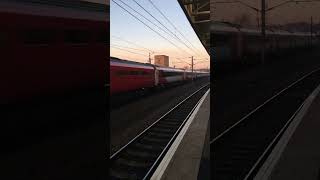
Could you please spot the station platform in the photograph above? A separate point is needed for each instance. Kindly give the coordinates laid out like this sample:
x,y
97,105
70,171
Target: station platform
x,y
297,154
189,156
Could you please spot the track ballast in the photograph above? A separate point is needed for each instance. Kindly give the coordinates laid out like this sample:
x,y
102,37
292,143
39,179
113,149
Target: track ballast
x,y
140,157
239,151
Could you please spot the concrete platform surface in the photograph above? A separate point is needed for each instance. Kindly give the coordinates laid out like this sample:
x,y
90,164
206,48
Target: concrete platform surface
x,y
189,154
300,157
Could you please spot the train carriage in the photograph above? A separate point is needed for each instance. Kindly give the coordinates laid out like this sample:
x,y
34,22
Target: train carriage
x,y
170,75
130,76
234,45
51,47
223,44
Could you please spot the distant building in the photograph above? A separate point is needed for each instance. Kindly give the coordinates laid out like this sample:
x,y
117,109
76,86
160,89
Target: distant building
x,y
161,60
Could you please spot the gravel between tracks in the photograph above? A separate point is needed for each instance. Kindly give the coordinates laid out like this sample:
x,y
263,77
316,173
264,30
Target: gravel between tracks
x,y
131,119
236,95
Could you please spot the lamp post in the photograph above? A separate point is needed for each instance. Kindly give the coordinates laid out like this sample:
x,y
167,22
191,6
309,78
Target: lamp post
x,y
311,31
149,59
263,29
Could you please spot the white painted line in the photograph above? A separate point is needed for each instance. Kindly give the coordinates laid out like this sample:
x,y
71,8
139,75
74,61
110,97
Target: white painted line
x,y
266,170
157,175
261,106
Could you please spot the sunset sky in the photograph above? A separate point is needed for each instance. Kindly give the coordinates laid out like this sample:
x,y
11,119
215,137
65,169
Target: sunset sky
x,y
142,40
287,13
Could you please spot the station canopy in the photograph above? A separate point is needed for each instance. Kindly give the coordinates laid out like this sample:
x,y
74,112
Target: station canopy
x,y
198,14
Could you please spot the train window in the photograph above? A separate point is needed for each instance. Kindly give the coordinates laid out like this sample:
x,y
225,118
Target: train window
x,y
102,37
3,38
38,36
122,73
146,73
166,74
133,73
77,37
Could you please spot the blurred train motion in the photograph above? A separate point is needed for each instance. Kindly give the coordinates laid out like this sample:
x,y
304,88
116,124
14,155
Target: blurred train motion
x,y
128,76
233,44
51,47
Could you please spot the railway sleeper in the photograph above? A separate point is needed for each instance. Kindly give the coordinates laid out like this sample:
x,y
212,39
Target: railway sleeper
x,y
145,158
160,135
182,115
142,149
244,146
148,147
243,151
118,174
141,154
163,130
165,125
129,172
155,144
231,173
170,122
179,118
185,107
156,139
224,170
133,163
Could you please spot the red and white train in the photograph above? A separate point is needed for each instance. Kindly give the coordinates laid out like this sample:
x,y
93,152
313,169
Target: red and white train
x,y
233,44
126,76
51,47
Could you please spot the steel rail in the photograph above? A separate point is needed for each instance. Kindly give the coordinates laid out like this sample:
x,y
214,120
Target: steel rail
x,y
262,155
272,143
260,107
167,144
140,134
147,176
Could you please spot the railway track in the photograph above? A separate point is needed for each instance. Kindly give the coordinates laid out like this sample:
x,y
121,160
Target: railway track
x,y
124,98
140,157
239,151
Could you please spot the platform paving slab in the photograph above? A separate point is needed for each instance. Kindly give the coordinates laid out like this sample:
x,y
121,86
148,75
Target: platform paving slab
x,y
300,157
185,162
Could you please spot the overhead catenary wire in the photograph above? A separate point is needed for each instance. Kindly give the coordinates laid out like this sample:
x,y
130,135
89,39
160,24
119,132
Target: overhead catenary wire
x,y
199,62
129,51
171,24
147,18
179,59
121,56
146,49
128,47
149,27
205,59
174,35
129,42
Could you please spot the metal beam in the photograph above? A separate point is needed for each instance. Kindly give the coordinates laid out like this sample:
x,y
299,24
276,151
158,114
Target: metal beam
x,y
198,14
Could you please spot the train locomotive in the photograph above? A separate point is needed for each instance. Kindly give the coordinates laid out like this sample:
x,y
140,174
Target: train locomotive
x,y
128,76
232,44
